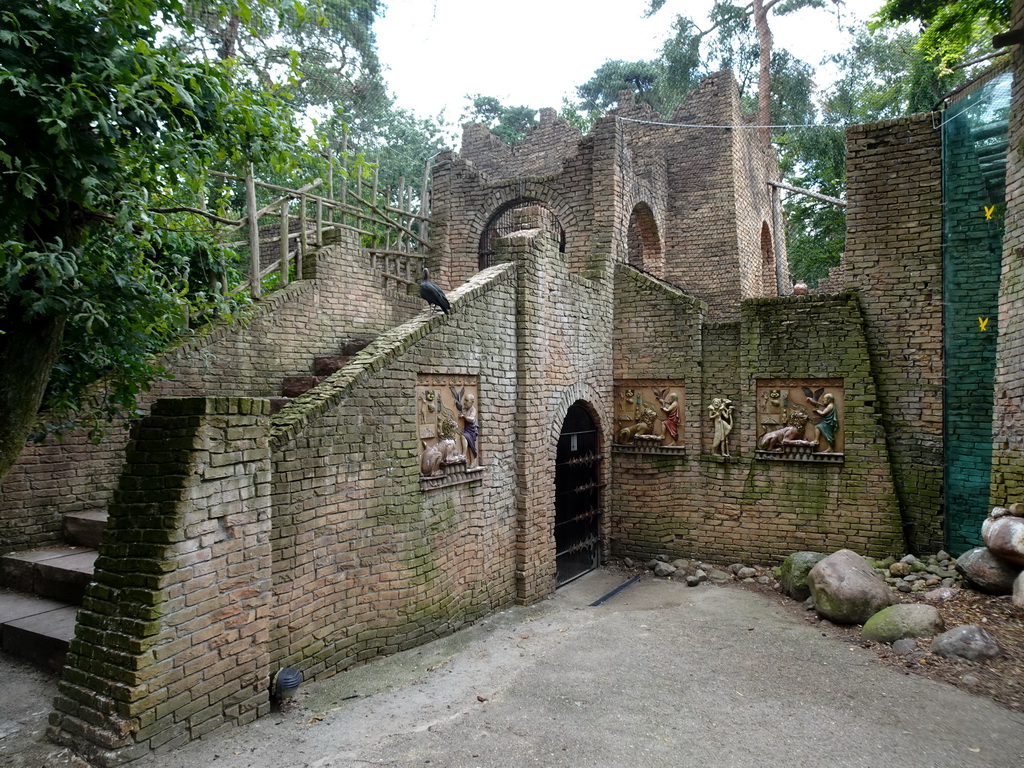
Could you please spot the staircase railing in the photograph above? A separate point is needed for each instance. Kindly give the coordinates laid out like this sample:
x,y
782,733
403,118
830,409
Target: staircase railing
x,y
278,235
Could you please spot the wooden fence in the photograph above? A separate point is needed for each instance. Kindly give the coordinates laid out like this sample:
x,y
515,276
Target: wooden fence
x,y
279,234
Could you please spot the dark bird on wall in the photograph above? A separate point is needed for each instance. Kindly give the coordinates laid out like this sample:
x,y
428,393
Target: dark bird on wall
x,y
433,295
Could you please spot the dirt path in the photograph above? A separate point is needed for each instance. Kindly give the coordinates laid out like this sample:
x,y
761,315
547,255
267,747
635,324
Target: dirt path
x,y
660,674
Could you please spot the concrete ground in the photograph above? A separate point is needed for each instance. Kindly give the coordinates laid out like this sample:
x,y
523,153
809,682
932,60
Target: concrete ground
x,y
660,674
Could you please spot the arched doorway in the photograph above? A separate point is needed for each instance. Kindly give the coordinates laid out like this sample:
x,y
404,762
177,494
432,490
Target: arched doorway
x,y
577,496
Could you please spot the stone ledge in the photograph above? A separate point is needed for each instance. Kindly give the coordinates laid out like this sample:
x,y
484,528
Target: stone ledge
x,y
453,474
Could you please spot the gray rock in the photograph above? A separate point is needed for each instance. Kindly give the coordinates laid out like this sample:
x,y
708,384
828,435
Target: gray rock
x,y
987,572
664,569
793,573
719,577
942,555
662,558
746,573
692,581
652,563
941,594
735,568
1018,590
681,565
846,590
700,575
899,621
628,562
904,646
908,559
967,642
1004,538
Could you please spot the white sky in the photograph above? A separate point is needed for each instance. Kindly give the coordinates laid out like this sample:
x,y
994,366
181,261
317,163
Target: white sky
x,y
535,52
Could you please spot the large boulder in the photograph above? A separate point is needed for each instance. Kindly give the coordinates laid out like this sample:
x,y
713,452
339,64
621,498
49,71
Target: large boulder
x,y
967,642
846,590
986,572
1004,536
793,574
899,621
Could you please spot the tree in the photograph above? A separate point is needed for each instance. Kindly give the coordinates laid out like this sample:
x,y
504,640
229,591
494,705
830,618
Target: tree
x,y
952,32
103,119
509,124
882,74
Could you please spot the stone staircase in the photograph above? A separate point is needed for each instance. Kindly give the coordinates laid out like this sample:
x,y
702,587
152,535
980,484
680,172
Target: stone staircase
x,y
42,589
323,368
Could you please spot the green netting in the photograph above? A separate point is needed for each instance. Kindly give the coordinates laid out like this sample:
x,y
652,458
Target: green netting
x,y
974,143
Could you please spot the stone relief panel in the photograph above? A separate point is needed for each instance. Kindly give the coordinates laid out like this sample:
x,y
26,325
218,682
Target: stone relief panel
x,y
447,428
649,414
800,420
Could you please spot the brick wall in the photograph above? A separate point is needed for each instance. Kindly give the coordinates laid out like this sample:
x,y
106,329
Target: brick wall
x,y
366,562
248,357
894,260
563,329
1008,407
744,508
172,639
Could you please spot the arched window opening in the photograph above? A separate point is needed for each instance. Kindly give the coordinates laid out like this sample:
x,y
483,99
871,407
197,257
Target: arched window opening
x,y
643,243
508,220
769,283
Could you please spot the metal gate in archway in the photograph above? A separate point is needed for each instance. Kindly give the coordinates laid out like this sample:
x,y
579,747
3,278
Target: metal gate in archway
x,y
577,496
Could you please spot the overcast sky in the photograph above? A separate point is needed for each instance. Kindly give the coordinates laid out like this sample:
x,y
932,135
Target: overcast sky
x,y
535,52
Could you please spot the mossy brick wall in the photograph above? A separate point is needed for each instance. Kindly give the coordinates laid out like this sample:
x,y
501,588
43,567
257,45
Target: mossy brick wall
x,y
1007,484
366,563
656,335
248,357
564,357
894,260
172,639
745,509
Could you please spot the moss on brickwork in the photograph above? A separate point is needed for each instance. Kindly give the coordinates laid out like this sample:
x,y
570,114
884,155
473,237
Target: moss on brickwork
x,y
742,507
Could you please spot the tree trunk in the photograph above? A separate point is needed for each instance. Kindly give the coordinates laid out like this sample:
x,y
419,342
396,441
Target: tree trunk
x,y
764,81
28,350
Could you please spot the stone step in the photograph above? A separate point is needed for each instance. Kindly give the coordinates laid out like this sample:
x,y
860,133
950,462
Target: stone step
x,y
293,386
325,366
36,629
350,347
59,573
277,403
84,529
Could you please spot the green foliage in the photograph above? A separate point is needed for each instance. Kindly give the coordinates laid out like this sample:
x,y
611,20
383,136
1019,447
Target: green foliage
x,y
103,120
510,124
952,32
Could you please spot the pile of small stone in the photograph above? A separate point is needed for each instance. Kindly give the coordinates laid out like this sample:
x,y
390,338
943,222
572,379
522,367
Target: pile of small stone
x,y
696,572
918,574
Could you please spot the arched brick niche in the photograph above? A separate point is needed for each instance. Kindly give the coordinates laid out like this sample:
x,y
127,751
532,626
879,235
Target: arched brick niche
x,y
643,241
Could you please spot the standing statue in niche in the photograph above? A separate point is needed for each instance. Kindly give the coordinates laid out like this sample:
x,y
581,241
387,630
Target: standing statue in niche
x,y
720,412
470,429
670,407
825,408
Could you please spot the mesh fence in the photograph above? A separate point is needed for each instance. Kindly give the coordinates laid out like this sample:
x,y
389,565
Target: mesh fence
x,y
974,176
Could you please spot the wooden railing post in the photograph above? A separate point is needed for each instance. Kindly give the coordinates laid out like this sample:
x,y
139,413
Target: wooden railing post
x,y
254,233
284,232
